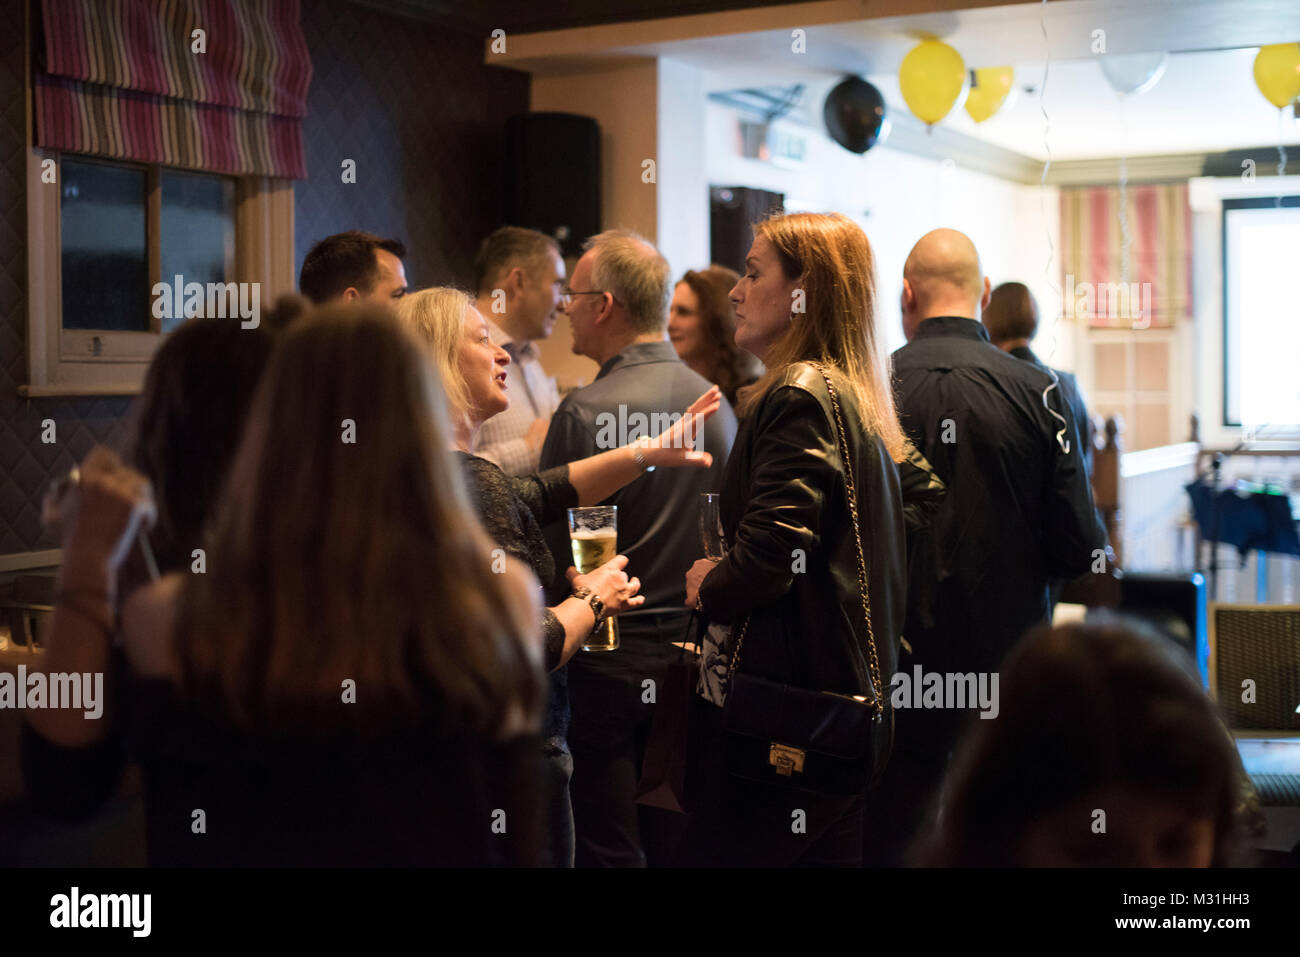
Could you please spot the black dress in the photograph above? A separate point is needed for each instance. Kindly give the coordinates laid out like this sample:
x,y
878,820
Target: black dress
x,y
216,796
513,511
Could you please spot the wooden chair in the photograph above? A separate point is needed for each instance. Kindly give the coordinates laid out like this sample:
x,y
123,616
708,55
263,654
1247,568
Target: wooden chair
x,y
1095,590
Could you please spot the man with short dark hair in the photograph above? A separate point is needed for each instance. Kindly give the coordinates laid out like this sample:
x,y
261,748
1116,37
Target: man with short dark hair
x,y
353,266
1011,319
618,308
518,277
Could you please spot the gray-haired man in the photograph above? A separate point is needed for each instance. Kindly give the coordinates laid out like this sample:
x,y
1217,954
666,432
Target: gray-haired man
x,y
618,310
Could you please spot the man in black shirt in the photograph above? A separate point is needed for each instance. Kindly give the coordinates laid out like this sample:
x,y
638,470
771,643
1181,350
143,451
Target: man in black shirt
x,y
618,310
1018,513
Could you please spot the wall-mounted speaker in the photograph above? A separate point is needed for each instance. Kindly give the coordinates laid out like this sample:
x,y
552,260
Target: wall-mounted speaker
x,y
733,210
553,176
1255,666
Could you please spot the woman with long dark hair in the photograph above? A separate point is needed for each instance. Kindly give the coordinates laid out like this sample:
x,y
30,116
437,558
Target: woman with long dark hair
x,y
185,427
702,328
352,678
805,606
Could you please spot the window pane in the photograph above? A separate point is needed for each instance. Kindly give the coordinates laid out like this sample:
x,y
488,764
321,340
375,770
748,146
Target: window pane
x,y
1262,335
105,276
198,231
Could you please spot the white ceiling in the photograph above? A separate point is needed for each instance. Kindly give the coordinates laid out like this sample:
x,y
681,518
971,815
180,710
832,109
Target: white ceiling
x,y
1206,101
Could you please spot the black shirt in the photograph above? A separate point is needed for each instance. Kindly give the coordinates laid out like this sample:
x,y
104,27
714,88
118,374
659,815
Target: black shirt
x,y
1018,510
1072,397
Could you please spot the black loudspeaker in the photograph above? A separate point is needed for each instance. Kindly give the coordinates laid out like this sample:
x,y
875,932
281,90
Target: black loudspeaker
x,y
1175,605
553,176
1255,666
733,210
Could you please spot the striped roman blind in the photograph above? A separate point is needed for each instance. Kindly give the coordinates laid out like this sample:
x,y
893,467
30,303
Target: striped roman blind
x,y
126,79
1153,262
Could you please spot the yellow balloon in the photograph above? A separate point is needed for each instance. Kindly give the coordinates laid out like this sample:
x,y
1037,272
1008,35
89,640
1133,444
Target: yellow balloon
x,y
932,77
989,91
1277,72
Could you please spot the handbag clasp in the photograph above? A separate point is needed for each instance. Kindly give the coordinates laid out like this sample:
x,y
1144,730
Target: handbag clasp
x,y
785,759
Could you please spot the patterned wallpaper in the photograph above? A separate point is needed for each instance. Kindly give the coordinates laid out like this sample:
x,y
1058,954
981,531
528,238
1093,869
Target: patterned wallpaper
x,y
410,102
26,463
424,119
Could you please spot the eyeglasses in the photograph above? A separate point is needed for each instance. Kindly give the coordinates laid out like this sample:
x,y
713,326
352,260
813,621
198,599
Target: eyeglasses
x,y
567,294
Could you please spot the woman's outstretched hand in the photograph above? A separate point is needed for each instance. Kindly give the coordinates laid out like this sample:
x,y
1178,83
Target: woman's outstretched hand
x,y
675,447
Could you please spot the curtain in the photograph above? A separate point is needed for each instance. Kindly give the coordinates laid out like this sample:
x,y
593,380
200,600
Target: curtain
x,y
1147,285
130,79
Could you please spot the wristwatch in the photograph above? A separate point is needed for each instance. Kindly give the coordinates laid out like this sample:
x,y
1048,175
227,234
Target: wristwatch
x,y
592,599
638,455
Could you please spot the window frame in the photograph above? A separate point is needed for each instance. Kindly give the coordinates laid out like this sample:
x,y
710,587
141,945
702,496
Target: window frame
x,y
1228,205
90,362
65,362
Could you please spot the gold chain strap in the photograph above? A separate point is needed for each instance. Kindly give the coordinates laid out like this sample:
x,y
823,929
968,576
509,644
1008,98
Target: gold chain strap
x,y
873,660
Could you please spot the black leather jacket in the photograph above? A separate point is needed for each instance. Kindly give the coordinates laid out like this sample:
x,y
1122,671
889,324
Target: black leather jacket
x,y
791,564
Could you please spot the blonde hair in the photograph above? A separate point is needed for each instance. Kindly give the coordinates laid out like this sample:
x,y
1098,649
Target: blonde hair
x,y
437,318
352,560
636,274
830,256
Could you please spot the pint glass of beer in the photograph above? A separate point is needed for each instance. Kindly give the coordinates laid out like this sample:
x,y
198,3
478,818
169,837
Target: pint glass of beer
x,y
593,533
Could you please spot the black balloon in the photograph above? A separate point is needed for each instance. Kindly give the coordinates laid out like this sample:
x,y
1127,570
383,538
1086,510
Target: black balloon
x,y
855,114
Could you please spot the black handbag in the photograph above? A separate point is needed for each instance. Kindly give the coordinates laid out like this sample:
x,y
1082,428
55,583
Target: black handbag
x,y
663,769
819,741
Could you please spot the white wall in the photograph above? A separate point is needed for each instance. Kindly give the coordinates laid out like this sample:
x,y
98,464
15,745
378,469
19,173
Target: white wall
x,y
623,99
683,187
898,197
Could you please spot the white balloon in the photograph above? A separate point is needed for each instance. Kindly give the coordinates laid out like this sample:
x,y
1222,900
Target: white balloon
x,y
1135,72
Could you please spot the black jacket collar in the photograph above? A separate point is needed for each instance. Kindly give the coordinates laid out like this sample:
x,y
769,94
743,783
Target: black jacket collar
x,y
950,326
1025,353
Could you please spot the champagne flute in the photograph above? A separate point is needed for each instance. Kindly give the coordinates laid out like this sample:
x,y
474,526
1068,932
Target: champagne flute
x,y
711,537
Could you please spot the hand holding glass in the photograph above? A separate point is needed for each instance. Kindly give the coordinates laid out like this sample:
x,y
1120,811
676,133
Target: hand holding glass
x,y
711,537
593,535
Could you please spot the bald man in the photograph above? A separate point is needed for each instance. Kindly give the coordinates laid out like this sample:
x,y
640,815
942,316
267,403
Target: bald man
x,y
1017,514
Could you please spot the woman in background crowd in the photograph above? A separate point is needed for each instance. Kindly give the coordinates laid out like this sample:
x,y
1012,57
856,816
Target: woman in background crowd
x,y
189,420
185,428
790,586
348,682
1106,752
702,328
515,509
